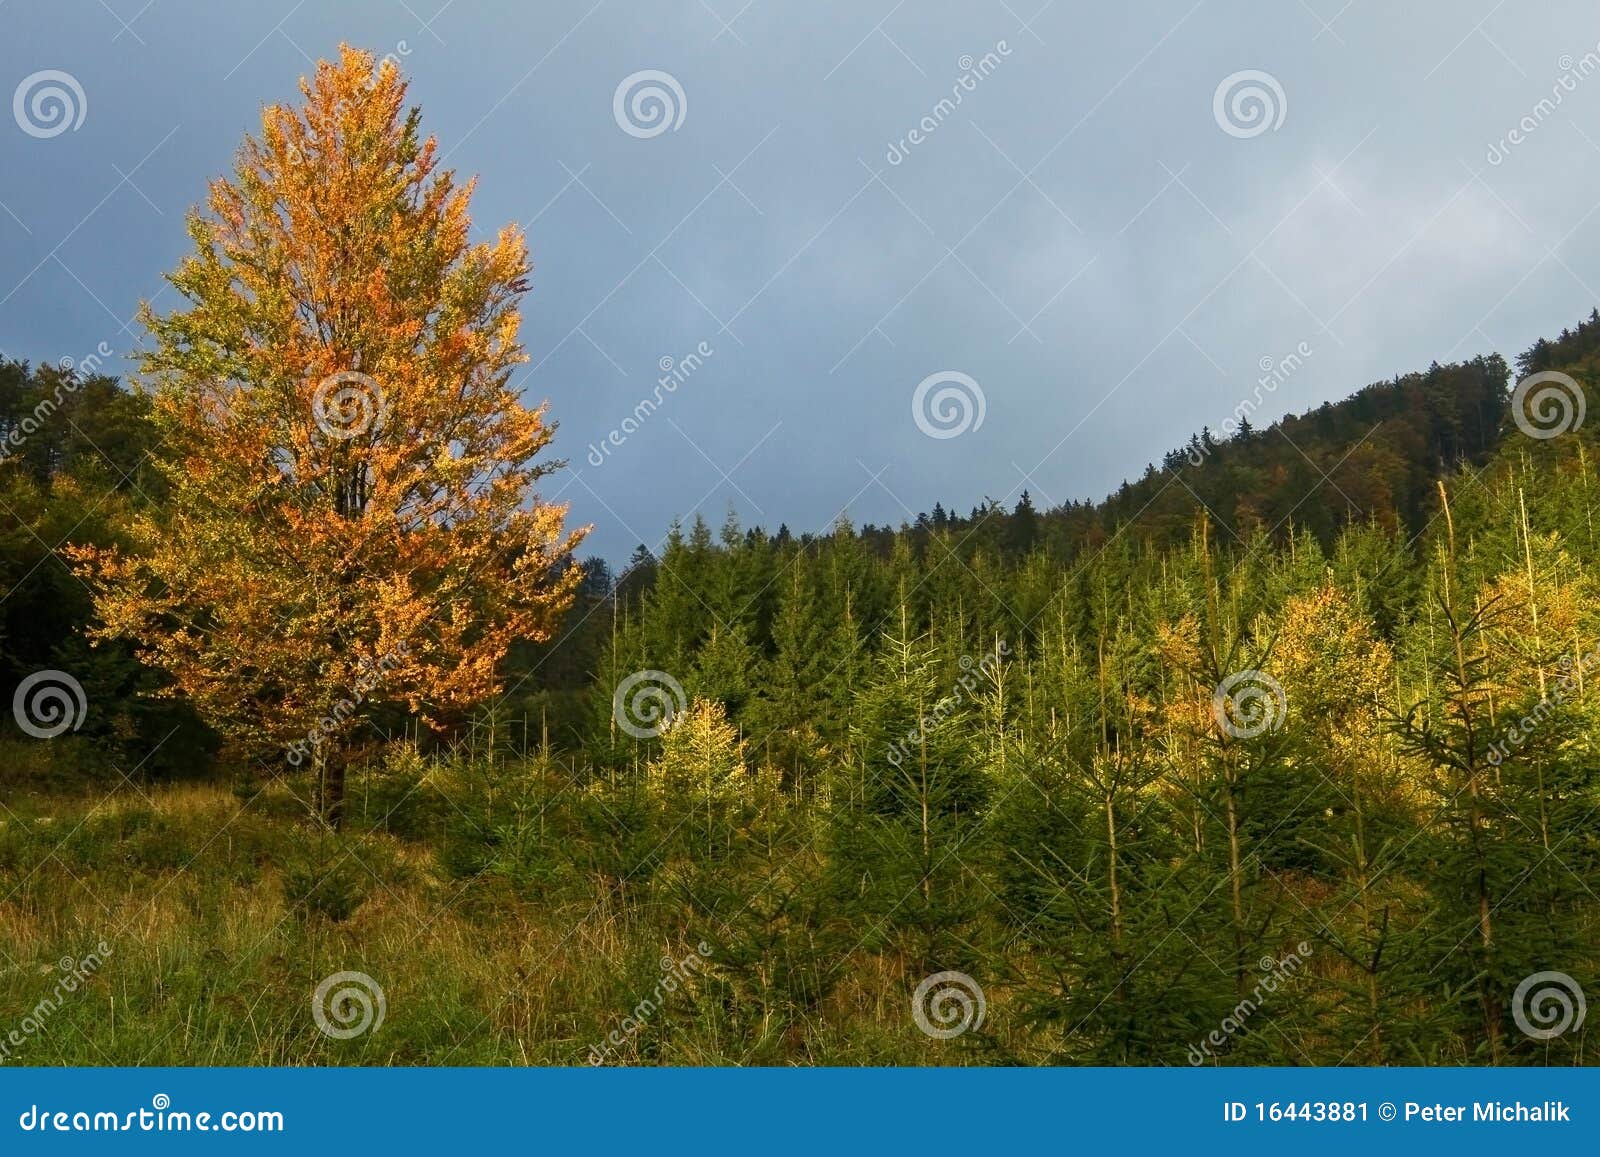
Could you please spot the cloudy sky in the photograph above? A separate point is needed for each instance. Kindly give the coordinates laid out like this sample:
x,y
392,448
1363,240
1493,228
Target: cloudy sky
x,y
1091,252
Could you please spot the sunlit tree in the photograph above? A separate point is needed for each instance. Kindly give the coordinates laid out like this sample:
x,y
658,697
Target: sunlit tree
x,y
353,517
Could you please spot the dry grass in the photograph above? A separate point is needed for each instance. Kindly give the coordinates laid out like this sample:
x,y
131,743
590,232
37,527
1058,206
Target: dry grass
x,y
211,961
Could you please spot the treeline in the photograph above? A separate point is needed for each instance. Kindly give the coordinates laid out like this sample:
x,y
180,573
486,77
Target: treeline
x,y
73,467
74,464
1372,456
1315,791
1286,779
1370,461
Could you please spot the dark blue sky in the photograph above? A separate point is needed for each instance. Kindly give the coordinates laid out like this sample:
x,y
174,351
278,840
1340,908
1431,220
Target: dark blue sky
x,y
1095,238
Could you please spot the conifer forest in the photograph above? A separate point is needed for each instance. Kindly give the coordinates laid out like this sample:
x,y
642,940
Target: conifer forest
x,y
332,741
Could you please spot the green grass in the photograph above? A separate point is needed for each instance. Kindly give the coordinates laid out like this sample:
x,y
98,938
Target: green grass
x,y
498,934
517,913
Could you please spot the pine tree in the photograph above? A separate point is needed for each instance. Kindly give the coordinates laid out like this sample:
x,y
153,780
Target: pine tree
x,y
701,776
908,817
1451,731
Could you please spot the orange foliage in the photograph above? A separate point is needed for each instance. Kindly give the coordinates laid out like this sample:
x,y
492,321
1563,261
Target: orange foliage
x,y
351,477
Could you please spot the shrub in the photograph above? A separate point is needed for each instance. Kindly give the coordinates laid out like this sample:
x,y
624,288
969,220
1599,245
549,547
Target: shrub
x,y
331,887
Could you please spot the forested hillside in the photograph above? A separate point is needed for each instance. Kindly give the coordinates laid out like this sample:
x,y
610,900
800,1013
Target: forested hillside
x,y
1119,770
1370,462
1287,752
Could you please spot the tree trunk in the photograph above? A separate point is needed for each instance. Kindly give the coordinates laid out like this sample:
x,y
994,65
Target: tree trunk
x,y
1236,882
333,789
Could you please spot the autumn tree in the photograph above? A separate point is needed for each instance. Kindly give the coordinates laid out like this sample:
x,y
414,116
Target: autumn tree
x,y
353,519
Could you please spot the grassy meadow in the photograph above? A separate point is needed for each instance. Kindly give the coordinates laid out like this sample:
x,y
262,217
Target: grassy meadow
x,y
225,908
